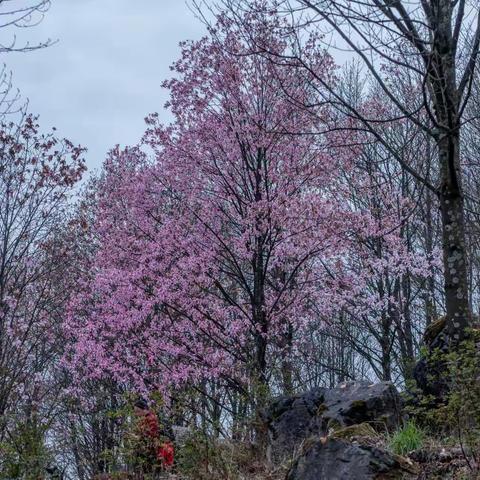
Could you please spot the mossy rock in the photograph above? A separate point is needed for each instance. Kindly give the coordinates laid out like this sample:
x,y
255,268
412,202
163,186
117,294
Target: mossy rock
x,y
358,405
322,408
353,431
333,424
433,330
334,458
321,411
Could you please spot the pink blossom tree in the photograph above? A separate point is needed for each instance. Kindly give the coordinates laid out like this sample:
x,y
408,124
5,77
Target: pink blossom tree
x,y
215,255
210,254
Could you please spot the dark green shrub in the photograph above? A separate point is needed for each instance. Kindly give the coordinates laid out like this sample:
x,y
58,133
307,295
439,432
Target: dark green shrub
x,y
457,414
24,454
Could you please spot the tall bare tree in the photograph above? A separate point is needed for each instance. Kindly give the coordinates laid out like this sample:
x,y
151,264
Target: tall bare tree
x,y
434,45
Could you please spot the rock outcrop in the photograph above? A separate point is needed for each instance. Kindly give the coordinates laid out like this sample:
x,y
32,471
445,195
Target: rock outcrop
x,y
334,433
332,458
291,420
428,373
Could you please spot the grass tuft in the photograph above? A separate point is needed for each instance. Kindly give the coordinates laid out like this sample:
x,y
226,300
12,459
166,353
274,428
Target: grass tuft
x,y
408,439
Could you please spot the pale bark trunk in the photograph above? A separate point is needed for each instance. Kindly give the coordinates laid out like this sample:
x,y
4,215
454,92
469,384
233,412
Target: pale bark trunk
x,y
430,306
442,77
453,240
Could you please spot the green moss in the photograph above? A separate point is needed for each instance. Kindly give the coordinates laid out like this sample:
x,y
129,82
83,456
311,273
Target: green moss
x,y
434,329
322,408
359,430
359,404
333,424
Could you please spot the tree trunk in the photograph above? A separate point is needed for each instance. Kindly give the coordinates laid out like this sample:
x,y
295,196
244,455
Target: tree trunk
x,y
430,305
453,239
385,344
454,262
287,367
445,95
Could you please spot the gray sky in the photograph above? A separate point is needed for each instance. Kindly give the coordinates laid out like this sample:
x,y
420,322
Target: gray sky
x,y
103,77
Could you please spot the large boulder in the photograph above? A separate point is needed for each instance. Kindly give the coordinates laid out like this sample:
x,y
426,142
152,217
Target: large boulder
x,y
429,373
356,402
333,458
291,420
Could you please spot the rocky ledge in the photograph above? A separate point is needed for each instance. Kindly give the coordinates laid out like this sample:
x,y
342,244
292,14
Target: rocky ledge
x,y
332,434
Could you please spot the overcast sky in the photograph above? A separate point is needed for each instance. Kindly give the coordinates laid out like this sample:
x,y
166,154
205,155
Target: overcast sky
x,y
103,76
